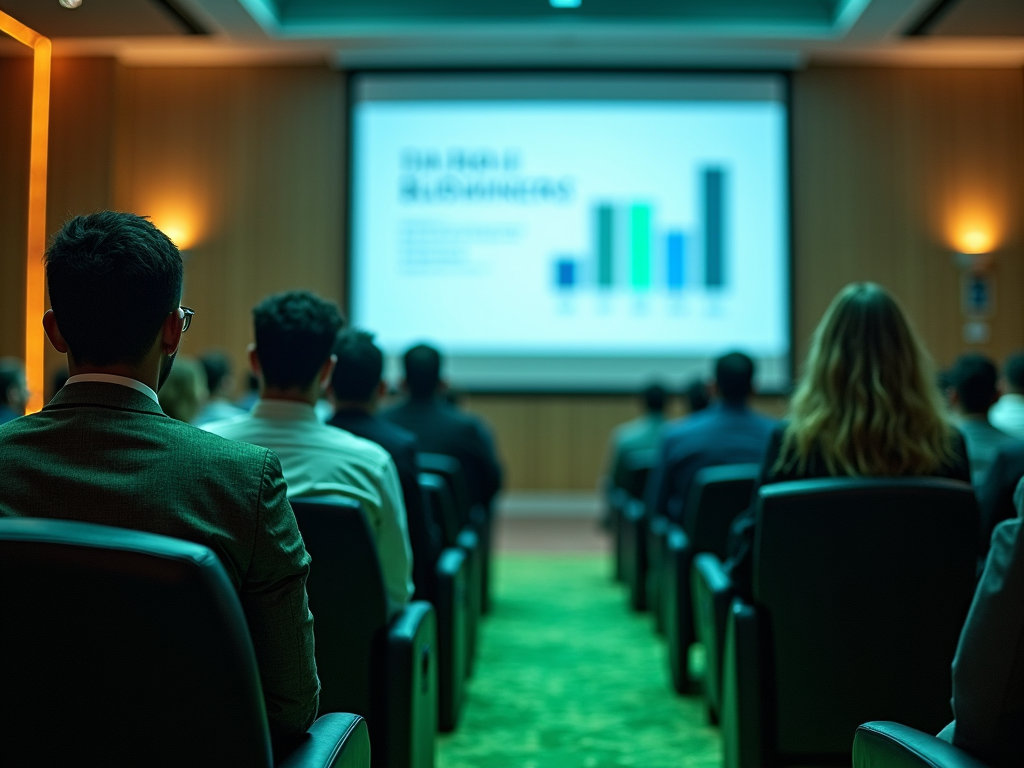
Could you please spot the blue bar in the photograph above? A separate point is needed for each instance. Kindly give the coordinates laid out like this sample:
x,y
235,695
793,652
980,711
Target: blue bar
x,y
676,264
565,273
714,227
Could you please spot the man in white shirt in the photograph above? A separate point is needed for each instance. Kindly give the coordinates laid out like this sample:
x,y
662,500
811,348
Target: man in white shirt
x,y
1008,413
295,334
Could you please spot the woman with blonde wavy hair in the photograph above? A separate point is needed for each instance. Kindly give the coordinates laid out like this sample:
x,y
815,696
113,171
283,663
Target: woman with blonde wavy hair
x,y
867,405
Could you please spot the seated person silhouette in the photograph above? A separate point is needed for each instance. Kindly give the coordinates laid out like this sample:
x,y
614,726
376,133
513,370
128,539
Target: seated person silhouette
x,y
726,432
441,428
293,357
867,405
988,670
1008,413
357,386
974,389
638,435
219,383
104,452
13,390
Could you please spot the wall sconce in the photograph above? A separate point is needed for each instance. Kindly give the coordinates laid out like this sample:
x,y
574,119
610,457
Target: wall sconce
x,y
977,294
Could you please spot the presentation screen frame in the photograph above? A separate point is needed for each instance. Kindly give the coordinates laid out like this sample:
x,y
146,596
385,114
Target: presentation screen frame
x,y
392,366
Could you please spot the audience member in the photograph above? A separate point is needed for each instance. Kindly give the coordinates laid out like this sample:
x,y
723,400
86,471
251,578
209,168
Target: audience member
x,y
219,385
357,387
441,428
867,405
184,392
293,356
988,670
252,392
103,452
697,396
1008,413
13,390
727,432
640,434
974,391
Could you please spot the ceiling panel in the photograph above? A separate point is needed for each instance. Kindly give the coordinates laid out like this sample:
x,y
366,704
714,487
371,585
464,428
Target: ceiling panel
x,y
678,11
976,18
100,18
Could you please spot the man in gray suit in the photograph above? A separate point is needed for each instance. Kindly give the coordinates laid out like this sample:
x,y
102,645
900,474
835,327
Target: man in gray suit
x,y
103,451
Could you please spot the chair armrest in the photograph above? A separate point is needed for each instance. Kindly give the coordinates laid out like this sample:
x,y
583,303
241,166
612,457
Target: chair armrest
x,y
744,699
678,605
410,723
335,740
712,595
891,745
451,561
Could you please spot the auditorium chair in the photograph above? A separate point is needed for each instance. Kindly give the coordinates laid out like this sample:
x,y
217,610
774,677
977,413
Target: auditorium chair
x,y
122,648
475,517
632,527
383,669
438,494
717,495
450,596
891,745
860,589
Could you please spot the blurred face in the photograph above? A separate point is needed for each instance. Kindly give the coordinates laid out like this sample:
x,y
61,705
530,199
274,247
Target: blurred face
x,y
17,396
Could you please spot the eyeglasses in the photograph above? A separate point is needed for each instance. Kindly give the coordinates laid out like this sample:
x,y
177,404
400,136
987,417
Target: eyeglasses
x,y
188,314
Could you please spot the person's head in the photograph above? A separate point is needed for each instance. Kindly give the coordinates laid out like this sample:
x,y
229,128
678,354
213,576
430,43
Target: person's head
x,y
655,398
975,384
115,286
867,398
295,334
13,389
422,371
1013,372
184,393
697,396
357,374
734,378
217,368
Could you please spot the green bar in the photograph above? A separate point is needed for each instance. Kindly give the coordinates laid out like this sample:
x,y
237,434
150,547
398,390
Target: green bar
x,y
605,238
640,245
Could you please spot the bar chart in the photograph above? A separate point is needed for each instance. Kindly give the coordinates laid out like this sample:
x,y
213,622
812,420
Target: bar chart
x,y
631,250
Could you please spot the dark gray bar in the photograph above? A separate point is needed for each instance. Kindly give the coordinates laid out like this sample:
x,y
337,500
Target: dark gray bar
x,y
714,227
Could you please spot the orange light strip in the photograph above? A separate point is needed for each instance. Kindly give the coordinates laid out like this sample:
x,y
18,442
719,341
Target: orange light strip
x,y
35,277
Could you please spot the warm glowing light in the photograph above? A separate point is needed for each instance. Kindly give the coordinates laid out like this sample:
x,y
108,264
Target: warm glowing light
x,y
35,302
975,241
179,220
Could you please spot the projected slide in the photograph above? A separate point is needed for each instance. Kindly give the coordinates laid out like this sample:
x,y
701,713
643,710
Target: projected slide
x,y
553,240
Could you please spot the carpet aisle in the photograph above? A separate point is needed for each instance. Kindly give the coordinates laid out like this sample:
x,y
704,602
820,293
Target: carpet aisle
x,y
567,678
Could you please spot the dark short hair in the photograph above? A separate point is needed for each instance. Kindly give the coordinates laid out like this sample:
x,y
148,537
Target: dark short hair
x,y
422,370
654,398
217,367
113,278
734,376
295,333
974,378
359,368
12,374
696,394
1014,370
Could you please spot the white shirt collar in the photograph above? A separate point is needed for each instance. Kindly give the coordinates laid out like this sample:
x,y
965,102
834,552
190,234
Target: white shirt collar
x,y
109,378
284,410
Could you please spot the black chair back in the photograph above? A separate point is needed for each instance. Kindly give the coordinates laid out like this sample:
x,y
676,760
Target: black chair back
x,y
442,504
865,585
454,475
717,496
347,599
122,648
638,466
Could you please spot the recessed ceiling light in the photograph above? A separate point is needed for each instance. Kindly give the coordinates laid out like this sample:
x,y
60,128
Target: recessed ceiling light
x,y
554,3
71,3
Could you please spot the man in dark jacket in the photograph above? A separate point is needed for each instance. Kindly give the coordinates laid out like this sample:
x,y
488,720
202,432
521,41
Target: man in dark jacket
x,y
357,386
104,452
441,428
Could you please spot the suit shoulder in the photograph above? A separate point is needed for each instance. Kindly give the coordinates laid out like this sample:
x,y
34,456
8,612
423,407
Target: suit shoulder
x,y
208,446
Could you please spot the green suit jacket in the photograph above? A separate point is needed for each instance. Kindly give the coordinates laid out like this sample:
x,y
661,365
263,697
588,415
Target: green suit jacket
x,y
105,453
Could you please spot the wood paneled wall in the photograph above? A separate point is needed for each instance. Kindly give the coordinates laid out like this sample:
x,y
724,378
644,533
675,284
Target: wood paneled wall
x,y
246,165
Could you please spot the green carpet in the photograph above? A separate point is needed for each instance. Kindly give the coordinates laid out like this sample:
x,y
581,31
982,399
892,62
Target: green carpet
x,y
567,677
